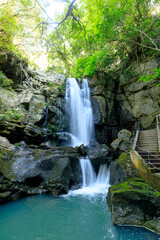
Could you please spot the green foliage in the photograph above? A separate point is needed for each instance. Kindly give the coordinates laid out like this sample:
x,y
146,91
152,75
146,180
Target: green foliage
x,y
104,34
11,114
20,26
155,74
5,82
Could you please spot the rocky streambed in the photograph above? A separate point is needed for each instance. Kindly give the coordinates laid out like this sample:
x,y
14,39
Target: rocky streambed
x,y
30,170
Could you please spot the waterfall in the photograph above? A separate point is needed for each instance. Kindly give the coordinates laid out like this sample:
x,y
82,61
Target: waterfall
x,y
103,174
45,124
88,174
90,183
80,112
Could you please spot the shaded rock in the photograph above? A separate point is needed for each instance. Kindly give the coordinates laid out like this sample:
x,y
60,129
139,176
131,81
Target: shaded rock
x,y
122,143
97,154
81,150
124,134
5,144
28,171
122,169
14,67
46,145
134,202
5,197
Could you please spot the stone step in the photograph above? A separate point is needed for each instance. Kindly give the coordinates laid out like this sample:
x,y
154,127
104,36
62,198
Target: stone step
x,y
152,160
146,145
150,156
147,140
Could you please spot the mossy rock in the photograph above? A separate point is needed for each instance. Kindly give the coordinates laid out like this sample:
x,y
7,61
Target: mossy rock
x,y
122,169
6,161
153,225
124,158
134,202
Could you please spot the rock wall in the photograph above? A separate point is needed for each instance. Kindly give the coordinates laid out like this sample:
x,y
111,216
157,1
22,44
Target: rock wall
x,y
119,101
34,110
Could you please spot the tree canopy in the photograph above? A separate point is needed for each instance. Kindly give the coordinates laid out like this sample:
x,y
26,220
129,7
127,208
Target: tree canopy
x,y
20,25
100,34
90,35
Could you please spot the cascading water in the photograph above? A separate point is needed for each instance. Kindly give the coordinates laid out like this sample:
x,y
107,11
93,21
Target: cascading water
x,y
90,183
88,174
80,112
103,174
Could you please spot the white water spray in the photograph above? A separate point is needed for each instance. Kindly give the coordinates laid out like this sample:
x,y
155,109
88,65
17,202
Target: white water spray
x,y
90,183
88,174
80,111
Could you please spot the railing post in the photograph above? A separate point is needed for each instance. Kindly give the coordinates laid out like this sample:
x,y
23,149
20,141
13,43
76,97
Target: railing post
x,y
135,140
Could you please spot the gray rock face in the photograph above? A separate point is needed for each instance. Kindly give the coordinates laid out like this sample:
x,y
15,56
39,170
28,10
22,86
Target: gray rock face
x,y
134,202
124,134
36,109
103,89
141,100
30,171
119,101
122,143
122,168
98,154
14,68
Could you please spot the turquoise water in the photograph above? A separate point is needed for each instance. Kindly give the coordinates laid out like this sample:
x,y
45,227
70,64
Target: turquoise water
x,y
64,218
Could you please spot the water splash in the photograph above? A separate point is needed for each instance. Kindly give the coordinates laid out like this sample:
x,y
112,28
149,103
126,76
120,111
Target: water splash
x,y
91,184
88,174
80,112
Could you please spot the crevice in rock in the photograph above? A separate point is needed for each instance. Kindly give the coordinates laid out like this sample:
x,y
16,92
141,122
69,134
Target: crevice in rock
x,y
34,181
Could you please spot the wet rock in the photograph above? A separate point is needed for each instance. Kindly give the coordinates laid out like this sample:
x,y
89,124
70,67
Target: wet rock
x,y
134,202
82,150
122,168
97,154
28,171
46,145
5,197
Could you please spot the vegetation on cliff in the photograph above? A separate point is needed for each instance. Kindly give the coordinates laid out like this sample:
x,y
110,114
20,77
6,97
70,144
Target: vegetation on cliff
x,y
103,34
89,35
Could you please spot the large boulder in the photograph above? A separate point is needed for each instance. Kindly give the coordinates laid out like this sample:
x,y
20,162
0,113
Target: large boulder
x,y
123,142
134,202
26,171
122,168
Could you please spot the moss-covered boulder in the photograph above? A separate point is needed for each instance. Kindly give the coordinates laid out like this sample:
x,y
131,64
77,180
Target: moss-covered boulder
x,y
122,168
134,202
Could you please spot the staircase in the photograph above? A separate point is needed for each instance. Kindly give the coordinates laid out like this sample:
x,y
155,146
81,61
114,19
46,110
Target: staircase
x,y
148,148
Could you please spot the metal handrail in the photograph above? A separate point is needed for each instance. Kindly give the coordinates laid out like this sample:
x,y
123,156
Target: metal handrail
x,y
149,162
158,129
148,152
